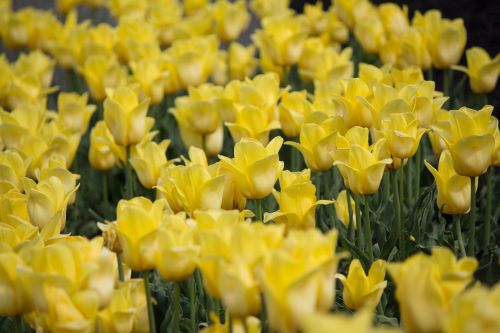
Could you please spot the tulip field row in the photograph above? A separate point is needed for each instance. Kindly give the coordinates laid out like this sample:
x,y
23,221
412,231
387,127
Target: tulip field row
x,y
335,174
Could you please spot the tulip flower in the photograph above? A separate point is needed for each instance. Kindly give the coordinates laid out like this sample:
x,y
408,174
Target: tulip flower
x,y
231,19
475,308
12,169
135,36
151,78
317,140
427,285
126,117
74,111
453,190
104,153
177,252
360,322
348,9
101,72
361,166
394,18
342,210
249,324
469,135
294,107
263,8
138,221
255,167
241,61
324,63
148,159
355,113
189,188
482,70
14,299
370,33
297,202
361,290
37,63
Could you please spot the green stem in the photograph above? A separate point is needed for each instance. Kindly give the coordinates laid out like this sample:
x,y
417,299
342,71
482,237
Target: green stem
x,y
368,229
397,205
192,303
409,183
294,157
129,190
18,324
350,227
176,303
149,301
318,178
386,184
105,193
489,200
448,87
430,74
258,208
458,232
472,218
121,275
359,229
418,166
401,184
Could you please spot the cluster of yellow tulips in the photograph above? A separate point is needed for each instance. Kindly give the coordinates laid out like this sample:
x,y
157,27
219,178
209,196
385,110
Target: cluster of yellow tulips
x,y
177,180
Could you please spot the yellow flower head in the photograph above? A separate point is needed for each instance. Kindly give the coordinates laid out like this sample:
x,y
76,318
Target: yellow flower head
x,y
481,69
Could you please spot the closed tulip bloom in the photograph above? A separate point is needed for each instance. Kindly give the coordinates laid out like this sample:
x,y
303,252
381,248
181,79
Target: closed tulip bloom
x,y
241,61
152,79
324,63
293,109
297,203
138,221
189,188
282,38
453,190
402,132
102,72
361,290
104,153
359,322
317,140
413,50
37,63
74,111
256,167
370,33
475,309
355,113
342,210
13,300
263,8
470,137
178,252
426,286
56,167
13,168
148,159
445,38
361,166
252,123
394,18
231,19
481,69
347,10
126,117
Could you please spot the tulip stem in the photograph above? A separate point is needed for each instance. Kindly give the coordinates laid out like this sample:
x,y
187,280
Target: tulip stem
x,y
258,209
447,84
359,229
350,227
192,303
458,231
18,324
105,194
129,191
121,275
397,205
176,304
418,166
489,199
472,219
149,302
368,229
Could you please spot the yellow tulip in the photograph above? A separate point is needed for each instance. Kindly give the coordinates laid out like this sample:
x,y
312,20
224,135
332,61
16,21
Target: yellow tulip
x,y
262,92
410,75
394,18
104,153
482,70
102,72
14,300
474,309
297,279
409,49
426,286
99,39
151,79
264,8
361,166
360,290
437,143
165,16
252,123
495,161
317,140
317,18
127,311
132,35
282,38
446,38
36,63
241,61
231,19
56,167
342,210
402,134
189,188
370,33
74,111
294,107
26,89
347,10
255,167
138,221
453,190
244,325
148,159
125,116
360,322
297,201
13,168
470,137
178,252
355,113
